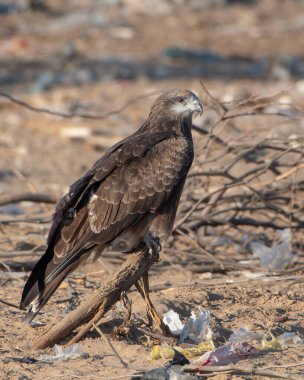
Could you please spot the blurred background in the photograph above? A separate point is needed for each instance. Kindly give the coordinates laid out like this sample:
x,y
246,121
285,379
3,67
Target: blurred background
x,y
111,58
91,57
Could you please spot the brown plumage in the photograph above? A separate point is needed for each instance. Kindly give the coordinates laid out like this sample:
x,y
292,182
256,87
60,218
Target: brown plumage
x,y
130,195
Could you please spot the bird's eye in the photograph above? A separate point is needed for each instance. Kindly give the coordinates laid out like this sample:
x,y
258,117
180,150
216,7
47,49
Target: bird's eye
x,y
180,100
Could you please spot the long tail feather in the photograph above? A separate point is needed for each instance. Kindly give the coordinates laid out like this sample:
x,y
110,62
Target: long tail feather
x,y
45,279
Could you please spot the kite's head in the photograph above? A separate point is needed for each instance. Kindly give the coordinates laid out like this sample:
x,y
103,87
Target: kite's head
x,y
182,103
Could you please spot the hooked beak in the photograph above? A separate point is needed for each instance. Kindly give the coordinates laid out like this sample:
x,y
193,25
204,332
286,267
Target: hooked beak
x,y
197,107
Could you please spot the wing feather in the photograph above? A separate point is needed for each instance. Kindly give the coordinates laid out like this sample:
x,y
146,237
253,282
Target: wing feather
x,y
134,179
148,180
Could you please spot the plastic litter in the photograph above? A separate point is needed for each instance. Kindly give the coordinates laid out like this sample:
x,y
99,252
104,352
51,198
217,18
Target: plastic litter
x,y
167,372
244,335
172,320
266,342
178,359
178,375
196,328
162,352
242,343
227,354
167,352
290,337
72,352
276,257
270,342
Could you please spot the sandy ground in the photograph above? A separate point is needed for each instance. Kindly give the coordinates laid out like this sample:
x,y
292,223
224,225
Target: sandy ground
x,y
37,154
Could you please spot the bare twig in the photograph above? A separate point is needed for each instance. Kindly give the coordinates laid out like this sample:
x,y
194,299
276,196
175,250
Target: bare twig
x,y
103,336
240,369
27,197
47,111
9,304
289,365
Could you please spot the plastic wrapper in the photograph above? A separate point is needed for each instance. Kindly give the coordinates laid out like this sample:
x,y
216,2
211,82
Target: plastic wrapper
x,y
244,335
162,352
270,342
196,328
61,353
290,338
167,352
276,257
227,354
172,320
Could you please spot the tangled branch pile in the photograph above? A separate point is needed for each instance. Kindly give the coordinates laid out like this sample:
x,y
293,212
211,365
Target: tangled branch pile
x,y
243,183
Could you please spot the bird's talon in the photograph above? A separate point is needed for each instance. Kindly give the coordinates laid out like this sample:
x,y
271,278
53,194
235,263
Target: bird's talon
x,y
153,245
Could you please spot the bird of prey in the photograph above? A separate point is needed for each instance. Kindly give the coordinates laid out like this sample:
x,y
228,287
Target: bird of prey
x,y
128,198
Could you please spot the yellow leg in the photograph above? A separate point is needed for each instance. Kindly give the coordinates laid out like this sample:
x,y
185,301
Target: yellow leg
x,y
154,319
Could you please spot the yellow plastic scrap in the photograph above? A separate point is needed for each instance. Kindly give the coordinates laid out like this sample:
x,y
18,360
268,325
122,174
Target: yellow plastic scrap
x,y
162,352
166,352
208,345
189,352
272,344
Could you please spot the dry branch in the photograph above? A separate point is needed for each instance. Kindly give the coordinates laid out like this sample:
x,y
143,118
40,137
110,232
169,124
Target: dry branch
x,y
90,311
106,340
27,197
48,111
208,371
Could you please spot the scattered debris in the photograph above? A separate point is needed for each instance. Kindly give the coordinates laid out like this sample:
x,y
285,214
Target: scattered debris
x,y
227,354
167,373
270,342
72,352
196,328
171,371
166,352
244,335
279,255
242,342
172,320
290,337
179,358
